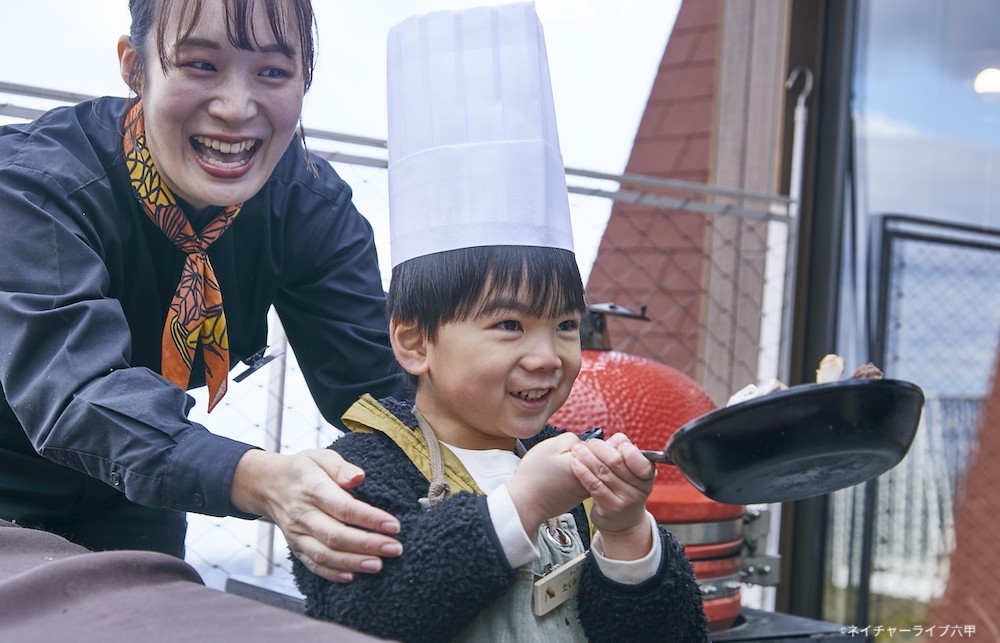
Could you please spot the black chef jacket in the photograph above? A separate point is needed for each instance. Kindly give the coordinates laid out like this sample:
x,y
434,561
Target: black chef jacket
x,y
85,281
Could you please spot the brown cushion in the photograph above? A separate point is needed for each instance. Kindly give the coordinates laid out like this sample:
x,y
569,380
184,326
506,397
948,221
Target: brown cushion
x,y
52,589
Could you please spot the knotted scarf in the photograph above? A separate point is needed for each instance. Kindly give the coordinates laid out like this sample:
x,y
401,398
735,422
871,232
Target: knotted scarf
x,y
195,314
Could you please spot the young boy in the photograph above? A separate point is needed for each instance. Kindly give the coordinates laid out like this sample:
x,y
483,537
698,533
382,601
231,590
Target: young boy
x,y
485,304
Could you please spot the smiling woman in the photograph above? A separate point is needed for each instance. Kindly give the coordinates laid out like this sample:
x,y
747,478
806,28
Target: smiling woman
x,y
222,104
179,217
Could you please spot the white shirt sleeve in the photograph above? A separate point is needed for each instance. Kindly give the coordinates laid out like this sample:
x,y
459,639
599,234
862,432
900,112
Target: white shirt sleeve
x,y
516,545
629,572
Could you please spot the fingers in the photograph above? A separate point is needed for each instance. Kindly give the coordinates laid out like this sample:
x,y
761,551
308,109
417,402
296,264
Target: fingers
x,y
617,481
334,501
596,473
587,478
345,474
617,476
546,466
351,511
616,459
632,456
338,517
562,442
342,551
637,463
617,439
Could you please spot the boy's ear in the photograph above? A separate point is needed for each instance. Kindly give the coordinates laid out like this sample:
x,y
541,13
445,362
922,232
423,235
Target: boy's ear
x,y
409,346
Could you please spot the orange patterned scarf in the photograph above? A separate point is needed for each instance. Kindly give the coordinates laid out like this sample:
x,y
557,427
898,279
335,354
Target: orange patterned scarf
x,y
195,314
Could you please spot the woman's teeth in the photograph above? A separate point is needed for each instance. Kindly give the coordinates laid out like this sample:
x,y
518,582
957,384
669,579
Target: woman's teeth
x,y
226,148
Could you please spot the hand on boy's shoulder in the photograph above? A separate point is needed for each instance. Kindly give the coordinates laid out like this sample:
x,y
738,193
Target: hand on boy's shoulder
x,y
386,469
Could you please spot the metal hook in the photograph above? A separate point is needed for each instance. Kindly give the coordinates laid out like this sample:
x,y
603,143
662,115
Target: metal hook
x,y
807,89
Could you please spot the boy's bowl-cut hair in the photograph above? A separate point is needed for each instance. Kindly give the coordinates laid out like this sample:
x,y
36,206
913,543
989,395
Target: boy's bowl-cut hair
x,y
435,289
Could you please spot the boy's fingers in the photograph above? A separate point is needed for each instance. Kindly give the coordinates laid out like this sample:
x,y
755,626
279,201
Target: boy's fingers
x,y
595,486
629,455
638,464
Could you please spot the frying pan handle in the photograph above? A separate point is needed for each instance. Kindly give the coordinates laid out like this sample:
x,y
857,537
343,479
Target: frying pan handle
x,y
653,456
657,456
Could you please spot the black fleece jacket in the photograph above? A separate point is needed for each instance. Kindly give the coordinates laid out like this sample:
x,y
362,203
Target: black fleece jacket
x,y
453,566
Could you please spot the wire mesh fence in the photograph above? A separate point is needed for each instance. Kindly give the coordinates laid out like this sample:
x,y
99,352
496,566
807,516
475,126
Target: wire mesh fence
x,y
937,320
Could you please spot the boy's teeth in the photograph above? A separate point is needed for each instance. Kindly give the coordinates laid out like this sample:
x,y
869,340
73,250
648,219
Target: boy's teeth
x,y
531,395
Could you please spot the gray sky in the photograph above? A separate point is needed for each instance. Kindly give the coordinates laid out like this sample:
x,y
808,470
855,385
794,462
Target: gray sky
x,y
603,56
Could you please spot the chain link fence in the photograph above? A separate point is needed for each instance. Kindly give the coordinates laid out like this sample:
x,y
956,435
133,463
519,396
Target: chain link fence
x,y
937,323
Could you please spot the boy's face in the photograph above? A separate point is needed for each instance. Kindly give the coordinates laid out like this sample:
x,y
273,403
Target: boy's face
x,y
498,376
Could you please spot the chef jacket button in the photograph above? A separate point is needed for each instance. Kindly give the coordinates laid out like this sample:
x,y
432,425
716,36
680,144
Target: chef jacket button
x,y
197,500
116,479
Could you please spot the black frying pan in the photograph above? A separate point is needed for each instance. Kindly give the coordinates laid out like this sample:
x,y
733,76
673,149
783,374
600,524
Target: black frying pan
x,y
802,442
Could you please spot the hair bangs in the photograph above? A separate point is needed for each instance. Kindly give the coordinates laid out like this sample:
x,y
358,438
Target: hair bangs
x,y
284,18
541,281
462,284
242,32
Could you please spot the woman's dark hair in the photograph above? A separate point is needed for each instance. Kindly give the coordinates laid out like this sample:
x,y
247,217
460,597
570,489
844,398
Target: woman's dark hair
x,y
152,16
435,289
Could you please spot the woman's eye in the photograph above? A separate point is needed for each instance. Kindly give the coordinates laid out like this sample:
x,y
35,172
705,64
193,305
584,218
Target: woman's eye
x,y
274,72
509,324
200,65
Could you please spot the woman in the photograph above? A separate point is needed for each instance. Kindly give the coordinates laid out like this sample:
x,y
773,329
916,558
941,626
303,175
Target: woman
x,y
144,243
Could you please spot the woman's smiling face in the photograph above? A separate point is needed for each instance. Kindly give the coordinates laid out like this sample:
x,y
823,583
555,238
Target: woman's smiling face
x,y
217,117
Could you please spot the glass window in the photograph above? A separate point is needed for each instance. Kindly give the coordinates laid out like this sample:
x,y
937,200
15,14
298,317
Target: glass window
x,y
927,141
921,298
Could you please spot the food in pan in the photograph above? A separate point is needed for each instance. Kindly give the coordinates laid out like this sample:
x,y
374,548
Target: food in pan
x,y
751,391
831,369
866,372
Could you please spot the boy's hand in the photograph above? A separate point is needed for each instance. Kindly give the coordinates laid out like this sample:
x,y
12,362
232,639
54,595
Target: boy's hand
x,y
619,479
543,486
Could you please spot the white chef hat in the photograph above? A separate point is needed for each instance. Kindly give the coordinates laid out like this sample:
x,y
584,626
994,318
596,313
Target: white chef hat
x,y
473,151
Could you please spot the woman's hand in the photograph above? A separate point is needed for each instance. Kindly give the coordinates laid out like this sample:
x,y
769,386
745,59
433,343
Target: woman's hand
x,y
619,479
543,486
304,494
